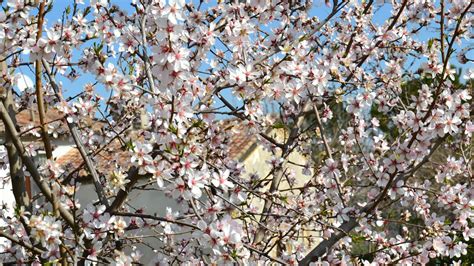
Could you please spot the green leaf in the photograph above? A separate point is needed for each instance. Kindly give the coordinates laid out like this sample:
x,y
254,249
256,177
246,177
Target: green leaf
x,y
430,43
86,11
278,125
129,145
357,238
234,255
51,263
173,129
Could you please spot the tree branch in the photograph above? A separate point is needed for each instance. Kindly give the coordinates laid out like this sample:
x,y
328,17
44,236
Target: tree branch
x,y
30,165
77,139
17,175
39,92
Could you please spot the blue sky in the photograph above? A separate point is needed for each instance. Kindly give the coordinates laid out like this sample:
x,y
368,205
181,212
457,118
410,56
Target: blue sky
x,y
319,9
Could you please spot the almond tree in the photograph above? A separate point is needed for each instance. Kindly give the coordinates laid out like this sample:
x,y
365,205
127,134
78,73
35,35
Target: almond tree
x,y
182,69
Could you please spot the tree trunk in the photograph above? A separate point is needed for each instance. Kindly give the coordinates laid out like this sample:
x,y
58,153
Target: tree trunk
x,y
17,175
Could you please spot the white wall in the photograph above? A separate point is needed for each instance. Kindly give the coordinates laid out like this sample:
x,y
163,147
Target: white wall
x,y
153,202
6,195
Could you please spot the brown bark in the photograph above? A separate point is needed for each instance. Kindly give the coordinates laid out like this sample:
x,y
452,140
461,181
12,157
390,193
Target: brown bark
x,y
77,140
30,165
17,175
39,90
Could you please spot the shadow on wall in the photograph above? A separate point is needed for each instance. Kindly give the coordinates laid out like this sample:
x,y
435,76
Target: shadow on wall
x,y
151,201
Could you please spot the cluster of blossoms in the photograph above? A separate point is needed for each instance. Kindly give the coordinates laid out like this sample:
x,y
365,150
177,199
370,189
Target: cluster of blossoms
x,y
369,138
47,231
223,237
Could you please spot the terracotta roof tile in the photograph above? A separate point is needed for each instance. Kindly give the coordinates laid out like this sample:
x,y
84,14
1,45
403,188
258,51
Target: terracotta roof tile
x,y
26,117
240,142
30,118
104,161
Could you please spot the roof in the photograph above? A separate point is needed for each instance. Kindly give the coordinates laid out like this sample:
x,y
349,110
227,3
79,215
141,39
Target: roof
x,y
241,141
29,118
28,122
241,138
103,160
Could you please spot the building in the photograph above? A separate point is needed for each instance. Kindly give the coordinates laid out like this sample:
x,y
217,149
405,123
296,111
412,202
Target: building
x,y
244,147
